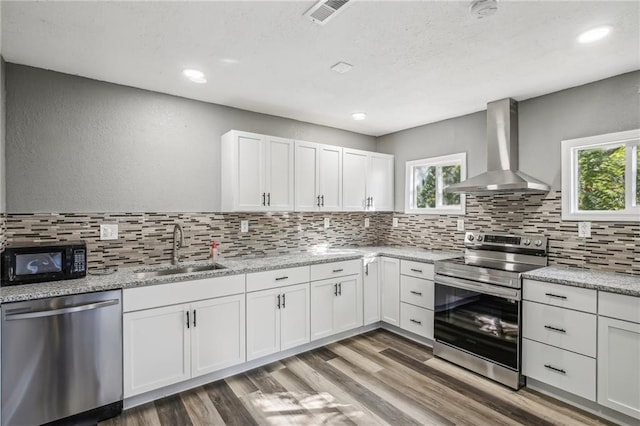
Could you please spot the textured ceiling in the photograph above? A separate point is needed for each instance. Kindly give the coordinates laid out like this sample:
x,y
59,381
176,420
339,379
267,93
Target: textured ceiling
x,y
414,62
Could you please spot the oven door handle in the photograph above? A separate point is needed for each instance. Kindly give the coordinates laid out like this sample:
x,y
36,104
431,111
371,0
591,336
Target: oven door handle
x,y
505,293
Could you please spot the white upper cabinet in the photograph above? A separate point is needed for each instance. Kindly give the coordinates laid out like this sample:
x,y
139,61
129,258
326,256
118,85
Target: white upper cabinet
x,y
367,181
318,177
256,172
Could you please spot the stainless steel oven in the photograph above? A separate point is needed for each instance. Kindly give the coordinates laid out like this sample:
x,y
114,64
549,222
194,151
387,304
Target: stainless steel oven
x,y
478,304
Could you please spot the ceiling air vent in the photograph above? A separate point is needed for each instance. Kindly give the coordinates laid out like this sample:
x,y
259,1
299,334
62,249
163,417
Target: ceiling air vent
x,y
324,10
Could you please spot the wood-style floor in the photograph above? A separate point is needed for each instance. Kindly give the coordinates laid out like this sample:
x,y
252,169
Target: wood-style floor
x,y
376,378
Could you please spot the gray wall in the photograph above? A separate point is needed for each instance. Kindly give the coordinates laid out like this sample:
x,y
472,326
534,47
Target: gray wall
x,y
604,106
80,145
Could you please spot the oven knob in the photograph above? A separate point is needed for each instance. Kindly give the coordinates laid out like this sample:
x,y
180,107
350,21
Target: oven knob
x,y
526,242
470,237
538,243
479,237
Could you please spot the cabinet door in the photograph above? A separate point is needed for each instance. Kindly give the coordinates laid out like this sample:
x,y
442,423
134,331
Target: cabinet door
x,y
263,323
294,316
156,345
307,175
250,172
371,290
390,290
322,293
380,182
279,174
619,365
217,334
330,178
348,304
354,179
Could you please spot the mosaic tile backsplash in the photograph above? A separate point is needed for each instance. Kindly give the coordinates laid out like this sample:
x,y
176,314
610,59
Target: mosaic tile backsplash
x,y
145,238
613,246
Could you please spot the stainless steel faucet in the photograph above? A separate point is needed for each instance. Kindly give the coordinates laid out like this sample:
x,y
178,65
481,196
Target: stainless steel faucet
x,y
177,244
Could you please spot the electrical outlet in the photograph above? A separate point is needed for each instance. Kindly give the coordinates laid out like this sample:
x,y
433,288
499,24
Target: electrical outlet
x,y
460,224
584,229
109,231
244,226
327,222
395,222
366,222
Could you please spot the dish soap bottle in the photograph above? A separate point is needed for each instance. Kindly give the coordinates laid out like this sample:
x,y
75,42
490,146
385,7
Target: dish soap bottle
x,y
215,254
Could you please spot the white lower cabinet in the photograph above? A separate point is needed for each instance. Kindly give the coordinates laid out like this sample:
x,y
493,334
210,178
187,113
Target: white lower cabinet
x,y
337,305
390,290
565,370
619,365
416,320
167,345
277,319
371,290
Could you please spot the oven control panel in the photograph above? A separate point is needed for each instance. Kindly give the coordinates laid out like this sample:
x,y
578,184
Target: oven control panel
x,y
475,239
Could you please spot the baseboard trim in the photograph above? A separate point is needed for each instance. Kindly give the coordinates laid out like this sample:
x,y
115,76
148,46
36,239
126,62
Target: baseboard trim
x,y
582,403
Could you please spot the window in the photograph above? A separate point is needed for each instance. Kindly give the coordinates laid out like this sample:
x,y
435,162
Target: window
x,y
425,183
600,179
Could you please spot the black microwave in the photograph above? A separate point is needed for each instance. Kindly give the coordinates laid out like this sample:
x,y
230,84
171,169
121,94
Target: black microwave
x,y
38,262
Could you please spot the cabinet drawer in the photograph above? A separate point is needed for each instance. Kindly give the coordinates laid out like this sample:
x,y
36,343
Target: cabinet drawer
x,y
325,271
257,281
416,269
563,369
416,320
566,329
580,299
416,291
619,306
153,296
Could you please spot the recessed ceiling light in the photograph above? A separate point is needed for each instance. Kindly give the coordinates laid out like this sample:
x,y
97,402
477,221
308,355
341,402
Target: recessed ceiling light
x,y
341,67
195,75
359,116
594,34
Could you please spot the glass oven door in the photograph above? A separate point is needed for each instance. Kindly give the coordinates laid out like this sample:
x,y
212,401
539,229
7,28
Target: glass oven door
x,y
478,318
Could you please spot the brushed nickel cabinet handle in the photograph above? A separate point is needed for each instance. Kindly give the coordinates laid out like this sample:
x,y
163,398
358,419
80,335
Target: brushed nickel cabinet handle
x,y
416,321
559,330
281,278
335,271
417,293
417,270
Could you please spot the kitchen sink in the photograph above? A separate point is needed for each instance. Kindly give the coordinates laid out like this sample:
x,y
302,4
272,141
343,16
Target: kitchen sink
x,y
178,270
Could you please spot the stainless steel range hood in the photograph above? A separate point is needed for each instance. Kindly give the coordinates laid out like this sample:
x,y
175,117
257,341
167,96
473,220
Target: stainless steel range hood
x,y
502,174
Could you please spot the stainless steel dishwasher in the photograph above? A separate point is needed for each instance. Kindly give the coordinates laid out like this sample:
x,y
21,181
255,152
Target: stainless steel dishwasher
x,y
62,359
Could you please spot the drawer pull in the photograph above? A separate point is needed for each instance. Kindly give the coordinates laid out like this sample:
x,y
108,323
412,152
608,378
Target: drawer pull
x,y
416,321
417,293
557,296
417,270
337,270
559,330
281,278
557,370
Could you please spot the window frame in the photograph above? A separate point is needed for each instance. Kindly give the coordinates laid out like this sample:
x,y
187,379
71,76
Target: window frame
x,y
569,171
445,160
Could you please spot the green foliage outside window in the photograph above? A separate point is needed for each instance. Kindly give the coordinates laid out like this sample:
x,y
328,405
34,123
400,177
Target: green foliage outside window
x,y
601,178
450,175
426,182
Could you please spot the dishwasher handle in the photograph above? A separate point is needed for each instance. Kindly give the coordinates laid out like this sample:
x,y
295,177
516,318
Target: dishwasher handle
x,y
61,311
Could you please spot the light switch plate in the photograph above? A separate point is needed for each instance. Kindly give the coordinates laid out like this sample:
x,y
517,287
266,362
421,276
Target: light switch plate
x,y
366,222
108,231
584,229
327,222
460,224
244,226
395,222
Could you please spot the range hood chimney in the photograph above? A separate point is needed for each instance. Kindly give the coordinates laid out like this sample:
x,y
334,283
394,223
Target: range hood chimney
x,y
502,174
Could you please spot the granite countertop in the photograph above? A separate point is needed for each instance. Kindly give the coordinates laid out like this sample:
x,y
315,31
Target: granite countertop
x,y
126,277
585,278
